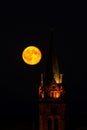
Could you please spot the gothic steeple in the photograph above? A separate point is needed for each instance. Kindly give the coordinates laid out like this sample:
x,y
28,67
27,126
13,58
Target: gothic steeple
x,y
53,79
51,94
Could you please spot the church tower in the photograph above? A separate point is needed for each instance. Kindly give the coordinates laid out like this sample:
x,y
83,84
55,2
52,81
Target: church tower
x,y
51,94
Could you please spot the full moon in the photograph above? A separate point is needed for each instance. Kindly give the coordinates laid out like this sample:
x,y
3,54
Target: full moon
x,y
31,55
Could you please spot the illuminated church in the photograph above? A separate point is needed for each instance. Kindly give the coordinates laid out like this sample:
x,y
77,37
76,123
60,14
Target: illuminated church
x,y
51,95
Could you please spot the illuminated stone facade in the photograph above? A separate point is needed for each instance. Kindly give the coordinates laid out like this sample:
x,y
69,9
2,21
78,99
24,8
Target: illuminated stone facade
x,y
51,116
51,107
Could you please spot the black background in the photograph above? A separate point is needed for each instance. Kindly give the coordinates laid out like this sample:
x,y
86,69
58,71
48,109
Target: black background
x,y
19,82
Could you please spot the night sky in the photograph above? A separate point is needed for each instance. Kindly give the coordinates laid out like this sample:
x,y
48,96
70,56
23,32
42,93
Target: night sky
x,y
19,81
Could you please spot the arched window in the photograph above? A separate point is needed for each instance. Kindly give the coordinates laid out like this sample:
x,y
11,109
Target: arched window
x,y
49,124
51,94
56,124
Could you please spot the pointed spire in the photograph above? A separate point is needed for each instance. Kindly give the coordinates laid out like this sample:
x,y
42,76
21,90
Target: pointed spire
x,y
52,65
52,80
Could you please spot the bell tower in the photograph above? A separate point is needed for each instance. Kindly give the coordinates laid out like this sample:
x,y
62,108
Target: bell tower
x,y
51,94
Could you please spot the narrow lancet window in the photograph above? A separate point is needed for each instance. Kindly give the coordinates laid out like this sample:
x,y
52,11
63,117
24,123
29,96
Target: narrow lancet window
x,y
56,124
49,124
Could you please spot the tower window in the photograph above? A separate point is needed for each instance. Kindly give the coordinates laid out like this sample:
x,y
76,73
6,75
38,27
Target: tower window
x,y
49,124
56,124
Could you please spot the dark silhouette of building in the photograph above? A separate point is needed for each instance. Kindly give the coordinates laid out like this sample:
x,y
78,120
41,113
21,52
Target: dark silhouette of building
x,y
51,95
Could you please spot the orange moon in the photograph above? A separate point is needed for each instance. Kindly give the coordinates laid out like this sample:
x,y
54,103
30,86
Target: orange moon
x,y
31,55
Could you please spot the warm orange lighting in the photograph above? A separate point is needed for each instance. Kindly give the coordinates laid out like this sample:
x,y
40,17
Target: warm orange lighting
x,y
54,94
57,94
31,55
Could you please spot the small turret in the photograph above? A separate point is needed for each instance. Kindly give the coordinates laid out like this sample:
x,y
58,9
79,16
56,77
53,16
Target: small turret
x,y
41,88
